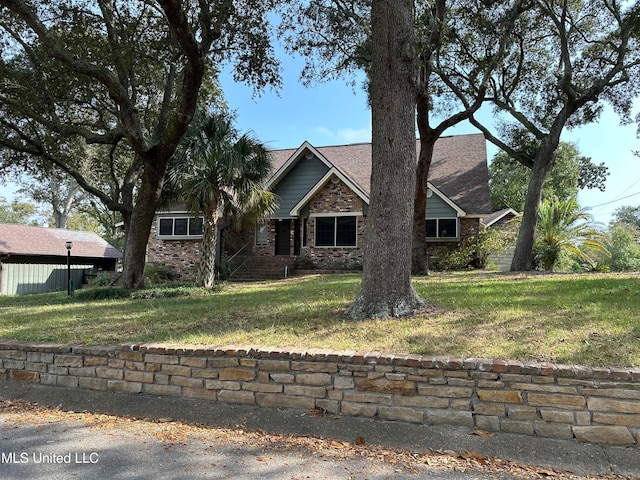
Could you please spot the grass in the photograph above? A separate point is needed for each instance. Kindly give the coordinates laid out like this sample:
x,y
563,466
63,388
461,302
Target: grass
x,y
590,319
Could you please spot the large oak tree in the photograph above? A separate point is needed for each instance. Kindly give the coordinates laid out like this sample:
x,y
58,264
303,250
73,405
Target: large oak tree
x,y
121,76
335,38
386,289
567,57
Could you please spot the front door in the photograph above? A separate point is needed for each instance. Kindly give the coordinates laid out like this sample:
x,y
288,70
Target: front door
x,y
283,237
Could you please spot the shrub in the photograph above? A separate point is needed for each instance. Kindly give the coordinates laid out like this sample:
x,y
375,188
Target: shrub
x,y
101,280
474,253
159,274
111,293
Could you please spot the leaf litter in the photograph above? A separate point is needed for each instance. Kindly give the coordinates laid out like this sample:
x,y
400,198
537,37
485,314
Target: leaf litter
x,y
171,433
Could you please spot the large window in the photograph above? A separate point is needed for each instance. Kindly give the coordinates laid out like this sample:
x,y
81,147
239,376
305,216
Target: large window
x,y
336,231
179,227
442,228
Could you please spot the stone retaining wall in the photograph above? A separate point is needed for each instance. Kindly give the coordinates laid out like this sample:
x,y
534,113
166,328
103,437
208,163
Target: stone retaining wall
x,y
598,405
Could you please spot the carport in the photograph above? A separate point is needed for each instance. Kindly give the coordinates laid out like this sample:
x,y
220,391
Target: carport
x,y
34,259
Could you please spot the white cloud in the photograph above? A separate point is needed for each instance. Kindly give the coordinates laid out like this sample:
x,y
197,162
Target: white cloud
x,y
342,135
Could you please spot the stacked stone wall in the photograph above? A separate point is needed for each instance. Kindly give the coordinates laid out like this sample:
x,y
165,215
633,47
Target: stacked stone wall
x,y
597,405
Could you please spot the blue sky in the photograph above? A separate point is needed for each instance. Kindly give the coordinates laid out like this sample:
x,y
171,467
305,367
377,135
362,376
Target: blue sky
x,y
335,113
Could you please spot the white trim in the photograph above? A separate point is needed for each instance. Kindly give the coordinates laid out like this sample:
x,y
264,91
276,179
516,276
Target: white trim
x,y
293,159
173,216
506,212
257,229
295,211
336,214
460,212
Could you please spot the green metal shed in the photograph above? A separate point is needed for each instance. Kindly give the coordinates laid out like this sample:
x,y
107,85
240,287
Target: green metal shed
x,y
34,259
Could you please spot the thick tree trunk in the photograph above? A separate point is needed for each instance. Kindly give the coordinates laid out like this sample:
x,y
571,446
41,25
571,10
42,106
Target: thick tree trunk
x,y
137,233
206,274
524,246
386,288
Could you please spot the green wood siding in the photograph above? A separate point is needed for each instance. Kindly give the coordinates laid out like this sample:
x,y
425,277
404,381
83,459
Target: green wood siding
x,y
437,208
297,183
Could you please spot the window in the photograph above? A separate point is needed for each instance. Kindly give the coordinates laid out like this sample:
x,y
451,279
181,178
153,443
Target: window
x,y
442,228
336,231
262,235
179,227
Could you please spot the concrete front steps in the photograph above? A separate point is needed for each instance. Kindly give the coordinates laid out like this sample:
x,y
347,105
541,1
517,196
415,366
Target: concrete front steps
x,y
255,269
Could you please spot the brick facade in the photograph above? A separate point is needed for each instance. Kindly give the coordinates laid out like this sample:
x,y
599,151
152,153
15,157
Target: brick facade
x,y
595,405
181,256
334,198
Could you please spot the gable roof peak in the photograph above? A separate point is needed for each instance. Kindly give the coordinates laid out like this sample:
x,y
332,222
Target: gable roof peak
x,y
459,167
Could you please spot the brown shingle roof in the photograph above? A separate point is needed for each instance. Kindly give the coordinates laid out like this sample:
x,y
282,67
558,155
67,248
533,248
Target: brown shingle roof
x,y
458,169
26,240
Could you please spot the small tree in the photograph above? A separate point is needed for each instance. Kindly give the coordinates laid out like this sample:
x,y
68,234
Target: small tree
x,y
563,227
17,212
222,176
623,245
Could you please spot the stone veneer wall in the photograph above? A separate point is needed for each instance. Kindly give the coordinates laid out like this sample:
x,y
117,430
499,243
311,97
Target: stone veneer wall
x,y
598,405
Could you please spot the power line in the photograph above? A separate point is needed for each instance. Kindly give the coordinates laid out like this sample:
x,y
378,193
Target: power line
x,y
616,200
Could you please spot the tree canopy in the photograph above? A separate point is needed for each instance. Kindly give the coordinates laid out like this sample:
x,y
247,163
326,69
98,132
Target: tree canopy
x,y
119,80
565,59
508,178
17,212
629,215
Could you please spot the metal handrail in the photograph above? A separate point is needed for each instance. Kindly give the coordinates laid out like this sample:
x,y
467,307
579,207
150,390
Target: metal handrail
x,y
241,249
239,267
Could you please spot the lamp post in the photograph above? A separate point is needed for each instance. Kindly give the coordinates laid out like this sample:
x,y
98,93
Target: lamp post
x,y
68,245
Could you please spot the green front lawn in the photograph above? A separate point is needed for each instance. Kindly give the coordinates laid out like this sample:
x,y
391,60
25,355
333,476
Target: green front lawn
x,y
589,319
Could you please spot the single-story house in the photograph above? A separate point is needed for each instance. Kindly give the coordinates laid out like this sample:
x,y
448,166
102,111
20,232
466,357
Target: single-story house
x,y
34,259
323,197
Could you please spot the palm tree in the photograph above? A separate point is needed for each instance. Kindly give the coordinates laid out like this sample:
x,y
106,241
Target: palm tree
x,y
221,176
565,227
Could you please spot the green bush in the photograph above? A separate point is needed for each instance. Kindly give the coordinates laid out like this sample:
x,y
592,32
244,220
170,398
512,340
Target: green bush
x,y
172,292
445,259
158,274
101,280
595,267
471,254
101,293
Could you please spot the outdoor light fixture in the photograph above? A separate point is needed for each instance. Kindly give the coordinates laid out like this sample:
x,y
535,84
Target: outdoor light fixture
x,y
68,245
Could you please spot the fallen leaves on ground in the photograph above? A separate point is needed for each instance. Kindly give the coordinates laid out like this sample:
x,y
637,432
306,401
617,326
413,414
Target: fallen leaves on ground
x,y
171,432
